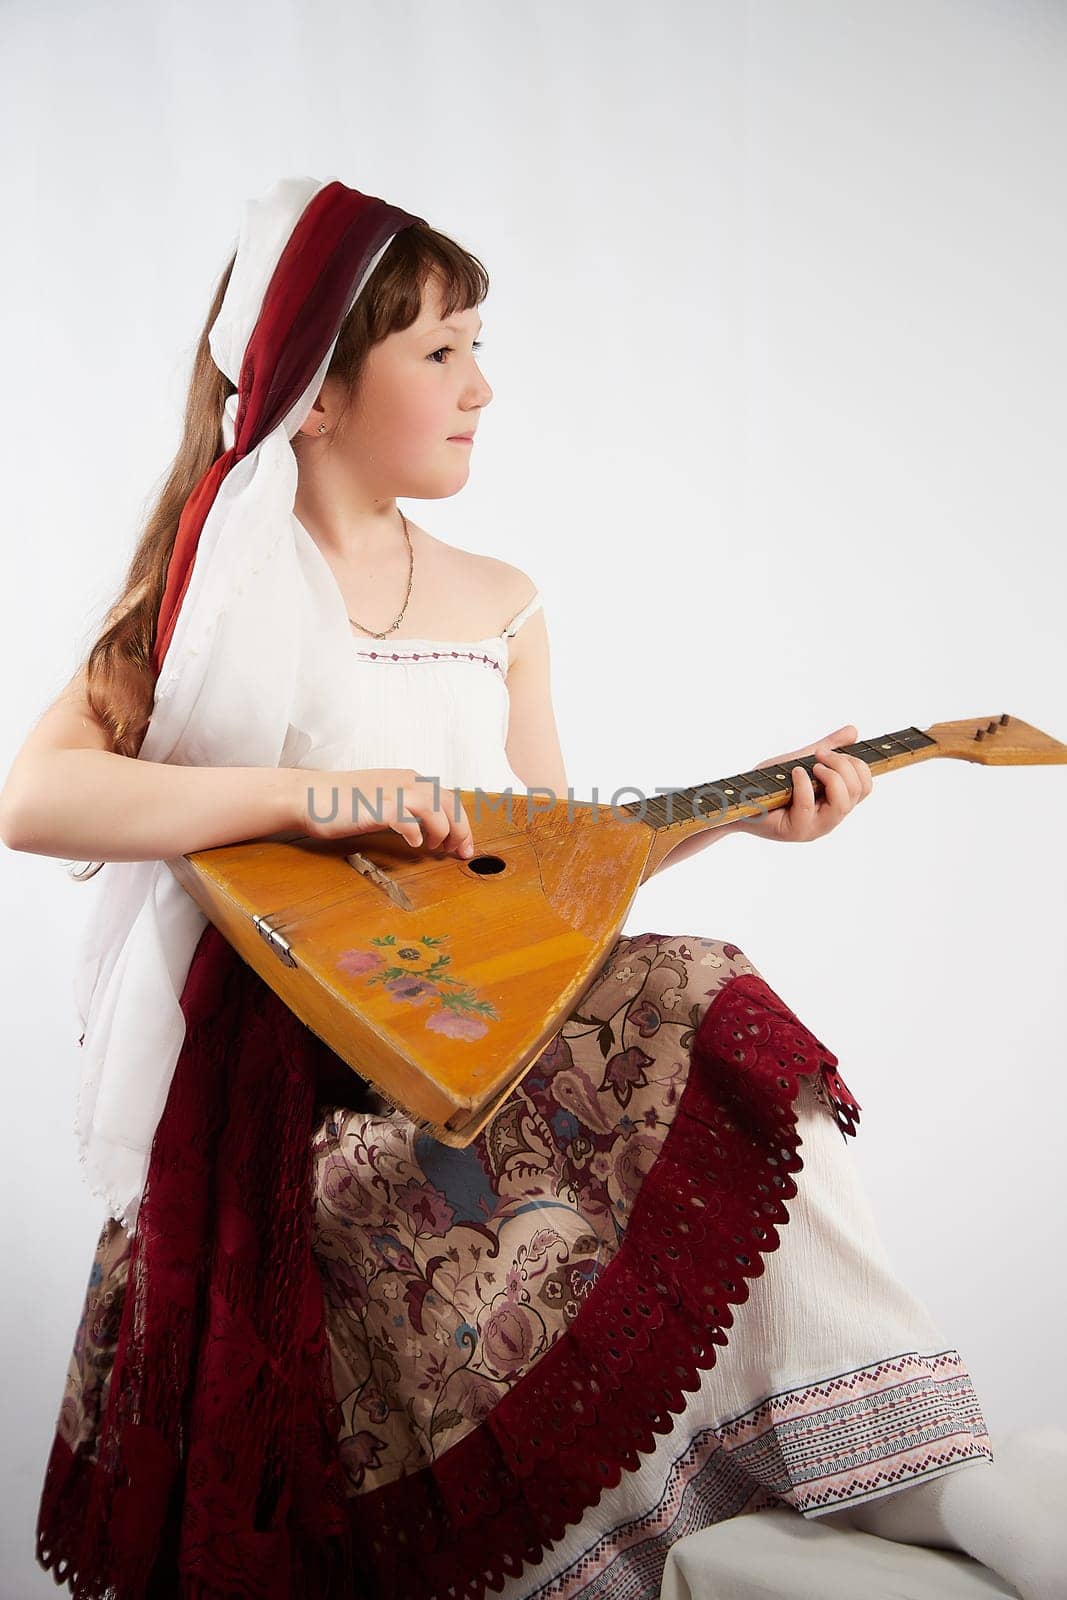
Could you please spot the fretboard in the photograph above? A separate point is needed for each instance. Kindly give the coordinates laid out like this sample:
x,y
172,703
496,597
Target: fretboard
x,y
669,807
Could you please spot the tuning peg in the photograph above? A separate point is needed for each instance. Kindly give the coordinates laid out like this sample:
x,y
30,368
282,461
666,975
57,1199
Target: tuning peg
x,y
980,734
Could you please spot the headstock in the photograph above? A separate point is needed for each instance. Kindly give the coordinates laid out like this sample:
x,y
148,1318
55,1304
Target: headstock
x,y
1002,741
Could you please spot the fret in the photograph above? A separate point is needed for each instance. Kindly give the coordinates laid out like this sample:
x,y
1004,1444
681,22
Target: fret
x,y
894,744
759,784
732,788
715,799
776,777
656,810
867,751
913,738
888,745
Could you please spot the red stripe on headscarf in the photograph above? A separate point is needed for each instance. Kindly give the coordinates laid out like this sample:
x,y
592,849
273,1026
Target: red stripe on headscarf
x,y
338,233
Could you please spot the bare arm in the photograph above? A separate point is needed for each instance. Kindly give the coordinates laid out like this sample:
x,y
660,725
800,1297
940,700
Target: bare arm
x,y
68,794
533,747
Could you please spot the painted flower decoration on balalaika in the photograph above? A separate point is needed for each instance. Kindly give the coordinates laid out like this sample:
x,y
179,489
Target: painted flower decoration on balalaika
x,y
414,973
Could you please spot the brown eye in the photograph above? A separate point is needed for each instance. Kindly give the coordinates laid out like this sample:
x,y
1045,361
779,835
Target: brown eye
x,y
447,348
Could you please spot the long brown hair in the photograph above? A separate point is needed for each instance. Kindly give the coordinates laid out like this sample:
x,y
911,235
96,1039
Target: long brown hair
x,y
119,680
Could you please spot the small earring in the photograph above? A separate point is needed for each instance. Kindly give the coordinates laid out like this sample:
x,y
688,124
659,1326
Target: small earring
x,y
322,427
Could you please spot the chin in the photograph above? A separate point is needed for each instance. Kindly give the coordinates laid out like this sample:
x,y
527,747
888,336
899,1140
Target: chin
x,y
434,485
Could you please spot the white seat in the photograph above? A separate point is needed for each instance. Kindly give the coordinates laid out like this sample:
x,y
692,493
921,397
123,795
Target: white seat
x,y
777,1554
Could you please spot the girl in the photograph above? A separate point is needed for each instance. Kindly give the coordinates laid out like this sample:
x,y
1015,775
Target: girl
x,y
322,1354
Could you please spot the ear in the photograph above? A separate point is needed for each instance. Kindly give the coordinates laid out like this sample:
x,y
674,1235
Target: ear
x,y
317,415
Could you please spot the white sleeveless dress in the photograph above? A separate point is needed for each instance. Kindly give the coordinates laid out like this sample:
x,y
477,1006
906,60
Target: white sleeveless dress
x,y
438,705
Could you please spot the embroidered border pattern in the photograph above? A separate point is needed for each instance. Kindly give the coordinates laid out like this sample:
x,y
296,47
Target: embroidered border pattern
x,y
703,1485
432,655
857,1435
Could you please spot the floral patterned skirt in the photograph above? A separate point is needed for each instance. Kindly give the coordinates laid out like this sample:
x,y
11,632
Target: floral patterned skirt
x,y
650,1296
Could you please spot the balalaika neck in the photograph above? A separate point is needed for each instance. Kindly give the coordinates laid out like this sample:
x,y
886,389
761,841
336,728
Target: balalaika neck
x,y
725,800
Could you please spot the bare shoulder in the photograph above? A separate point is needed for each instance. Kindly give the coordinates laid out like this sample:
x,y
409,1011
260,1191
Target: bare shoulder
x,y
494,589
496,592
512,587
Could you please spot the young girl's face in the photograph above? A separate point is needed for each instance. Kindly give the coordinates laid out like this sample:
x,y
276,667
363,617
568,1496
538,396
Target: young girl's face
x,y
419,389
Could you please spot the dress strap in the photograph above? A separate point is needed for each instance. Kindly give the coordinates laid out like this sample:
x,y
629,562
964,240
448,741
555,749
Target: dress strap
x,y
519,618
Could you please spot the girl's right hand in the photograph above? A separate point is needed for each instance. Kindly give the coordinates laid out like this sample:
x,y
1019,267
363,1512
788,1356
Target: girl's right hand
x,y
388,797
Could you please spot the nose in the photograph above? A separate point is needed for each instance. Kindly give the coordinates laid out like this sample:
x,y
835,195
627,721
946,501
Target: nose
x,y
481,393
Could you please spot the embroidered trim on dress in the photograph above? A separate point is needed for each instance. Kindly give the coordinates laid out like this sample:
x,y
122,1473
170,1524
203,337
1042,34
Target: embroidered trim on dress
x,y
703,1486
826,1444
433,655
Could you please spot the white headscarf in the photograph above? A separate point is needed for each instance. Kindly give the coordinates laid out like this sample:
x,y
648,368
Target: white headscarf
x,y
261,624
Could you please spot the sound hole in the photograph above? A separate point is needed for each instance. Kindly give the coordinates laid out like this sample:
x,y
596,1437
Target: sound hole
x,y
486,864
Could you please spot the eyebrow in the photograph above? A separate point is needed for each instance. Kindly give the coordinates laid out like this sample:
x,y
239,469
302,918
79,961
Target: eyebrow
x,y
455,328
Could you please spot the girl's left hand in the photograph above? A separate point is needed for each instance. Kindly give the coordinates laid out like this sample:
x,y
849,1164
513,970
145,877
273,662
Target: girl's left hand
x,y
846,780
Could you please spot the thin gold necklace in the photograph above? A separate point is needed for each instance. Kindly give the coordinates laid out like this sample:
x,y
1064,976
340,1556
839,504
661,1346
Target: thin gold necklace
x,y
411,573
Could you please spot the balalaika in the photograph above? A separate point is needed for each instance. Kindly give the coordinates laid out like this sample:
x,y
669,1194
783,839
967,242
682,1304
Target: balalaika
x,y
440,980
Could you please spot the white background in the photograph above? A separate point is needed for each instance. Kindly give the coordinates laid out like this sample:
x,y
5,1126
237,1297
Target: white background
x,y
777,341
